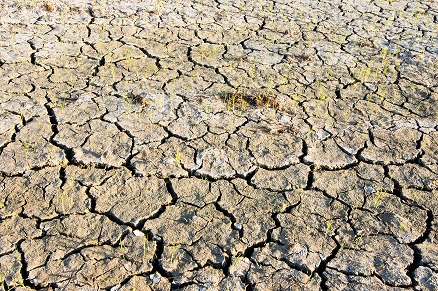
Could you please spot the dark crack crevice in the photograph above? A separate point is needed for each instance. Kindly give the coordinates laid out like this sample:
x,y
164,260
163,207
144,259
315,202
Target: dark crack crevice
x,y
24,274
53,120
157,259
92,208
323,264
239,228
418,258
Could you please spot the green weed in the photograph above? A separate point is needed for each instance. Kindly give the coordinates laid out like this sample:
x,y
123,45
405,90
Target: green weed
x,y
28,145
238,258
145,248
178,158
122,248
378,198
242,101
329,226
173,253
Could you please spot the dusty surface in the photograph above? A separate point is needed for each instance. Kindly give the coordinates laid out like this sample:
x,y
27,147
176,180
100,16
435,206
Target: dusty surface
x,y
219,145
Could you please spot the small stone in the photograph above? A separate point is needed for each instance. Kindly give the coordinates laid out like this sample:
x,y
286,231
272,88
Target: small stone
x,y
138,233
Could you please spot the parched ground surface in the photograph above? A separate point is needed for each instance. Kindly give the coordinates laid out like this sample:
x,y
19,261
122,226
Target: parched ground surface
x,y
218,145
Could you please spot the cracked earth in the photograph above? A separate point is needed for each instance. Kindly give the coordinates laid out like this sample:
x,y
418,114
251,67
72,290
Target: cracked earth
x,y
219,145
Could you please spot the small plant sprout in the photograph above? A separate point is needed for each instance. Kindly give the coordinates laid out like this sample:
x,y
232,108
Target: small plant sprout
x,y
322,95
151,116
158,6
397,65
378,198
55,100
122,248
71,181
384,55
347,114
178,157
172,254
28,145
329,73
139,112
310,131
229,99
235,261
145,248
20,280
367,72
401,229
342,245
329,226
295,100
251,70
358,240
21,115
63,103
288,77
2,279
63,199
113,73
383,93
206,107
